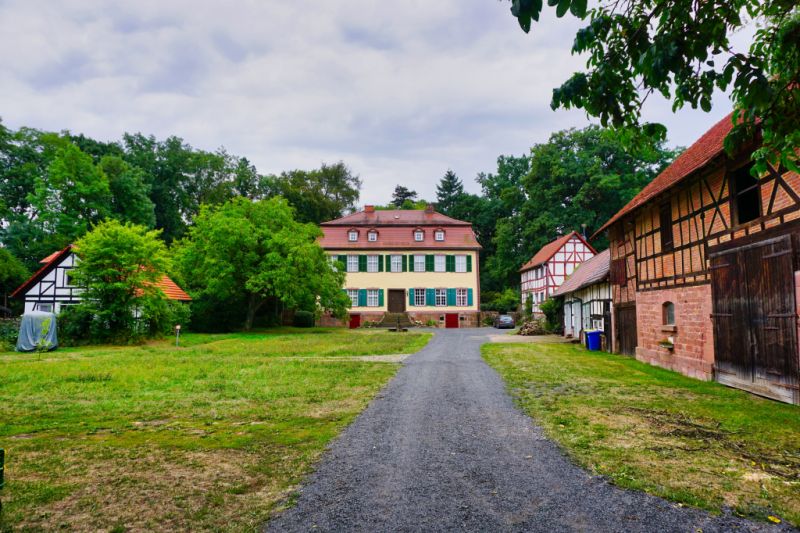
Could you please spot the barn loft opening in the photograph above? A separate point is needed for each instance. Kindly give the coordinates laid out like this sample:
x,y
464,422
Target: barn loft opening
x,y
747,194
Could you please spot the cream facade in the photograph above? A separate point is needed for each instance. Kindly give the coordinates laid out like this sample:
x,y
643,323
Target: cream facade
x,y
419,263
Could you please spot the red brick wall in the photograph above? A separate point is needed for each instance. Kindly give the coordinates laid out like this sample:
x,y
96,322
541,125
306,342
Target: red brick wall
x,y
693,354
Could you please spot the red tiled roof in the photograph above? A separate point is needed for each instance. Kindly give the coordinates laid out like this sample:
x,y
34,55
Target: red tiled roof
x,y
549,250
171,290
50,262
395,230
694,158
396,217
588,273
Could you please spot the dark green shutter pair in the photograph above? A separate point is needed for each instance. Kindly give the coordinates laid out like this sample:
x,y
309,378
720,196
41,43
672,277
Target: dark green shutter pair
x,y
343,260
429,263
451,297
362,297
450,263
380,264
469,264
362,263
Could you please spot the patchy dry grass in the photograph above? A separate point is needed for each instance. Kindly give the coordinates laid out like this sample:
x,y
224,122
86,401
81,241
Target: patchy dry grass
x,y
208,436
650,429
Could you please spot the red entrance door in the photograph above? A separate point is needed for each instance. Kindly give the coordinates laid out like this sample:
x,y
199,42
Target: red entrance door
x,y
451,320
355,321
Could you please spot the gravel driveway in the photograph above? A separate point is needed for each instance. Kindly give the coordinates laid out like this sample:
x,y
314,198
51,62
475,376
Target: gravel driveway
x,y
444,448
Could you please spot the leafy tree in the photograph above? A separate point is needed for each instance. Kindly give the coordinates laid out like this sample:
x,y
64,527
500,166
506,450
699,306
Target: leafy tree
x,y
258,251
12,274
577,177
448,192
681,49
401,195
119,266
70,197
129,192
317,195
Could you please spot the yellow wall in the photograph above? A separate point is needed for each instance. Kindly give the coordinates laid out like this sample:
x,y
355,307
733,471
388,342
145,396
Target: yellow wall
x,y
414,280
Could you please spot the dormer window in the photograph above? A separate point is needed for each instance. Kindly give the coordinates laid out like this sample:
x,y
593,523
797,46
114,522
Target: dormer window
x,y
372,236
419,235
439,235
352,235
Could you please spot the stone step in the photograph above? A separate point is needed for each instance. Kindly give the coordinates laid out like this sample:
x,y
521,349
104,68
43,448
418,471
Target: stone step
x,y
390,320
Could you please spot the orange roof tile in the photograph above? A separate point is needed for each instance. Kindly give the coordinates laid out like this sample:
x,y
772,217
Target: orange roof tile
x,y
694,158
171,290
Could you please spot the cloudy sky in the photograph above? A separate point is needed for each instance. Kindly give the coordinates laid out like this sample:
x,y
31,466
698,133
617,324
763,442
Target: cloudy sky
x,y
401,91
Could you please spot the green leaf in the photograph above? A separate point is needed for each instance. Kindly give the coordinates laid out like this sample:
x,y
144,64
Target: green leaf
x,y
578,8
563,6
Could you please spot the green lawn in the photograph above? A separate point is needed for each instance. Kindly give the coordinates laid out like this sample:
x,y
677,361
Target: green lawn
x,y
650,429
208,436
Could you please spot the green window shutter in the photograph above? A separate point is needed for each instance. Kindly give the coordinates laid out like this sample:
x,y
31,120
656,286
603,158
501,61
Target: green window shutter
x,y
380,297
411,263
380,263
411,297
429,263
362,297
343,259
450,263
430,297
405,263
388,260
362,263
451,297
469,263
469,296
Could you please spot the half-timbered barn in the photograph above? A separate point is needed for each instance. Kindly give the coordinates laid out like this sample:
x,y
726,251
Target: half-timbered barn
x,y
51,289
705,262
587,299
550,266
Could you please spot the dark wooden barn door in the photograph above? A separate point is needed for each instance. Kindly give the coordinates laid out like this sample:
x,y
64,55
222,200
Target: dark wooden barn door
x,y
397,301
607,324
755,320
626,329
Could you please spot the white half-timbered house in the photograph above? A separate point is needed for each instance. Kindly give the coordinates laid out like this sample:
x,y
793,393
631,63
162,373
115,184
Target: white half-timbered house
x,y
550,266
51,289
587,299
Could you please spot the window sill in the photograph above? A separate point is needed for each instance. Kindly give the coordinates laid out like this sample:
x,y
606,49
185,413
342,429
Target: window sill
x,y
669,328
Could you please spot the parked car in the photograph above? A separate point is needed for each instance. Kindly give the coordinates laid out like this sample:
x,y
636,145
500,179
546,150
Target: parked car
x,y
504,321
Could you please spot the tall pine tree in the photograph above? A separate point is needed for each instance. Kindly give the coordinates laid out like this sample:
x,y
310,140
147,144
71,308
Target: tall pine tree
x,y
448,192
401,195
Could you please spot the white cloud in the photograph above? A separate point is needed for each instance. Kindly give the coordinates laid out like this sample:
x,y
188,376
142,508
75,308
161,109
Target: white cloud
x,y
399,91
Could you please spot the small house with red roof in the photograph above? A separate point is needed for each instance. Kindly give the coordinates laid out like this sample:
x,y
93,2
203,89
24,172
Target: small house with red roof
x,y
402,264
51,288
705,270
587,299
550,267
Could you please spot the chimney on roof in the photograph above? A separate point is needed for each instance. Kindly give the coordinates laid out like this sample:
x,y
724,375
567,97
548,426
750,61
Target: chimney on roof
x,y
369,208
429,208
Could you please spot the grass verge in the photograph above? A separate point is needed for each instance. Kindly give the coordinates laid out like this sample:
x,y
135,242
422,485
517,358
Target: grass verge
x,y
208,436
651,429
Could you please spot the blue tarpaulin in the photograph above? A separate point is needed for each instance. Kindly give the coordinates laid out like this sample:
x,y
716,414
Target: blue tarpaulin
x,y
37,330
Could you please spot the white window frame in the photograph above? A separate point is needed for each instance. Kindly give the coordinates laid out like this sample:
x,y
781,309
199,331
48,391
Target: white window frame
x,y
440,297
439,263
373,298
46,307
419,235
353,295
372,263
461,297
461,263
419,297
352,235
419,260
439,235
352,263
396,263
372,236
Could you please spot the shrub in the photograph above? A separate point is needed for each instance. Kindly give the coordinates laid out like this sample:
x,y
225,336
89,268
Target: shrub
x,y
502,302
552,312
9,331
74,326
303,319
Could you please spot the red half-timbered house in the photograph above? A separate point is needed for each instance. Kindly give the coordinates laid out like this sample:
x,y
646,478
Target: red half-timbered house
x,y
705,263
551,265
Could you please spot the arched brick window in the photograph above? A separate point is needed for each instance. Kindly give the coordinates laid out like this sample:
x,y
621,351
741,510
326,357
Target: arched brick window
x,y
668,313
